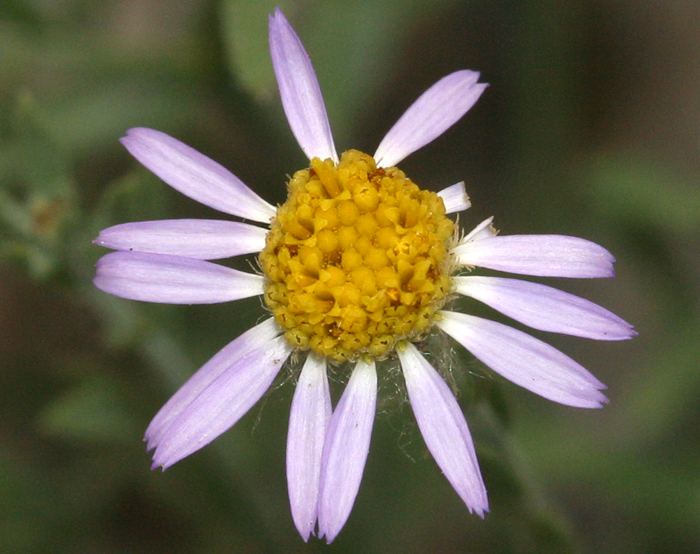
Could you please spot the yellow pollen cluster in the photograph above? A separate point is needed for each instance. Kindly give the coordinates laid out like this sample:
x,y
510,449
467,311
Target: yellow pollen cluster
x,y
356,259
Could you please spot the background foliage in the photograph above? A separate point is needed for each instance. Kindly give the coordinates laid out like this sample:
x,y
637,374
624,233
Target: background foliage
x,y
590,128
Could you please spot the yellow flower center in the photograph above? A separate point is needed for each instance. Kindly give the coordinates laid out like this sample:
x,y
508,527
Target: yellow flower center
x,y
357,259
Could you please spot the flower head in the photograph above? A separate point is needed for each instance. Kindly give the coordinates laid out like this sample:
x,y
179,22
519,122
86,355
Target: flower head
x,y
358,266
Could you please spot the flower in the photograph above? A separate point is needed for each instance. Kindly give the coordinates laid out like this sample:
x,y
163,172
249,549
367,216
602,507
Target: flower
x,y
358,266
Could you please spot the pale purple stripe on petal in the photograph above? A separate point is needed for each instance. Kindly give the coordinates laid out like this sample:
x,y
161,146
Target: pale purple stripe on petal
x,y
172,279
541,255
455,198
195,175
444,428
345,450
308,423
525,361
203,239
222,403
544,308
253,339
301,95
435,111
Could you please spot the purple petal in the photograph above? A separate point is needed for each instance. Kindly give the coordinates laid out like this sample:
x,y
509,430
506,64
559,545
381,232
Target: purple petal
x,y
525,360
308,423
455,198
545,308
222,403
444,429
301,95
345,450
259,336
195,175
203,239
485,230
542,255
173,279
437,109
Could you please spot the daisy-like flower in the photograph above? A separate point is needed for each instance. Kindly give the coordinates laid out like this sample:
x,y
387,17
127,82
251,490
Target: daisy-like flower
x,y
357,268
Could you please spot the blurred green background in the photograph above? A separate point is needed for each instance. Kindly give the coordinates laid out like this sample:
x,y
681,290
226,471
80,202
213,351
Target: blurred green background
x,y
591,127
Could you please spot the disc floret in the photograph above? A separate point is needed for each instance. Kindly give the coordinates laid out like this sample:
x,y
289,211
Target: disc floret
x,y
357,259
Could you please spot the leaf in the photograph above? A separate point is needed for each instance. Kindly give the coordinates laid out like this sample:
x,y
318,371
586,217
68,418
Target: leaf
x,y
640,190
90,411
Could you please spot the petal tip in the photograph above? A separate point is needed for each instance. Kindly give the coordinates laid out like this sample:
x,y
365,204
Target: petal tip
x,y
595,400
136,133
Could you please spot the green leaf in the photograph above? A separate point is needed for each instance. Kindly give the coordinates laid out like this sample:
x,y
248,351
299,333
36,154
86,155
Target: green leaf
x,y
38,199
640,190
91,411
